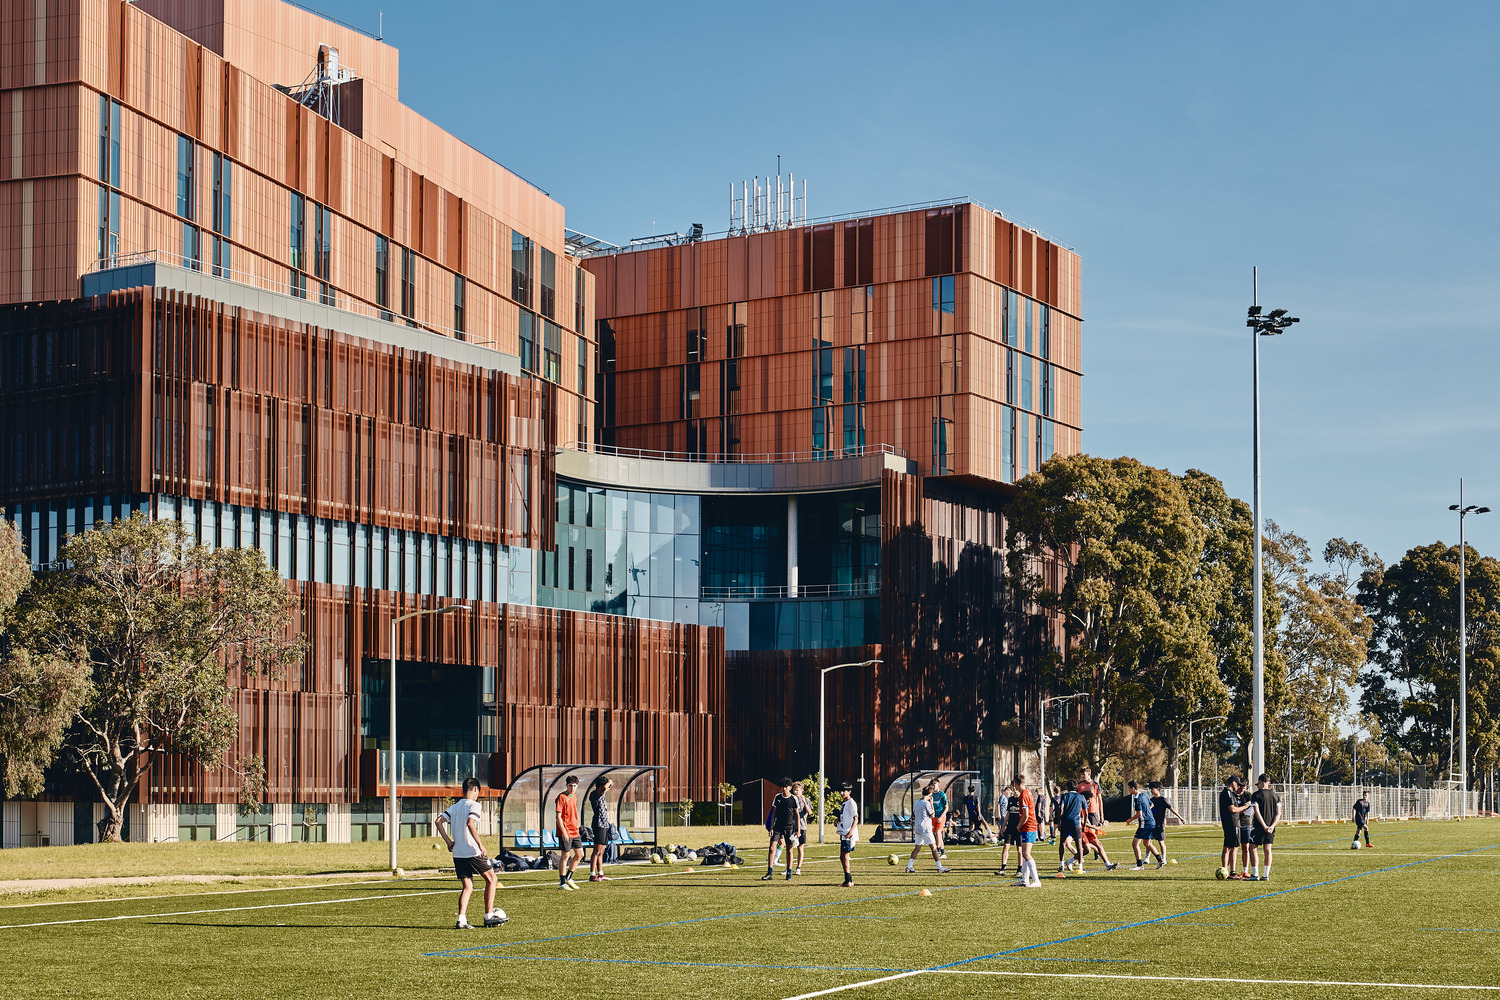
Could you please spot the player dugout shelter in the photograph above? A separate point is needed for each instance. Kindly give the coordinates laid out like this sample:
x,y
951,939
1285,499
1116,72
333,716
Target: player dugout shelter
x,y
528,810
902,794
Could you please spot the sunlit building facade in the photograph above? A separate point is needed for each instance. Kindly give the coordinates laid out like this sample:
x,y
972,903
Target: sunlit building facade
x,y
244,288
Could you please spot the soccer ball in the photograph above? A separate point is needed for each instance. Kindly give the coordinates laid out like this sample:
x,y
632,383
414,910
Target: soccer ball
x,y
501,914
891,860
1354,845
994,839
692,855
1221,874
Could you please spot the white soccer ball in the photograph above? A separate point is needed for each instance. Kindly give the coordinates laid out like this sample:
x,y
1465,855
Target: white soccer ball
x,y
1354,846
501,914
692,855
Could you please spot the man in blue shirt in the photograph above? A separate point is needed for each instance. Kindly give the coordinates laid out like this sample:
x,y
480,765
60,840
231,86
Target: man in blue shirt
x,y
1071,807
1145,824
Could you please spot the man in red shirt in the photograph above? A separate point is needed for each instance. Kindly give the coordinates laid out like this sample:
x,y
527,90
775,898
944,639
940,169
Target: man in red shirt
x,y
568,839
1027,825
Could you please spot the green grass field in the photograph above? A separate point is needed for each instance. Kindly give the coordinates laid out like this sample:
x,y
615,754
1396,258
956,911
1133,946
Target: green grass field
x,y
1419,911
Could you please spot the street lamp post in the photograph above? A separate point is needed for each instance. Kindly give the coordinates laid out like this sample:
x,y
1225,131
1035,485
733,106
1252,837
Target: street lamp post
x,y
1041,733
822,722
392,799
1463,666
1191,724
1261,325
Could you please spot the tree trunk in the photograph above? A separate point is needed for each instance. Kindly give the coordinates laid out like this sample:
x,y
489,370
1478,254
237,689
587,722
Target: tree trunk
x,y
1174,769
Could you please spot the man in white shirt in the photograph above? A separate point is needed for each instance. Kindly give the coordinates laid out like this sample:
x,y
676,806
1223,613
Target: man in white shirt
x,y
922,833
469,859
848,827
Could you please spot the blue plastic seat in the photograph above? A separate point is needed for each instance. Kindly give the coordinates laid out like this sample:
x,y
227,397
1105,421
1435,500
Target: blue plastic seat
x,y
549,839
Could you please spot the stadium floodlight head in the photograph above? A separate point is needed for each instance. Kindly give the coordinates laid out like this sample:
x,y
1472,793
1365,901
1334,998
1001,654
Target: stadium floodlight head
x,y
1482,510
1254,311
1453,506
1277,313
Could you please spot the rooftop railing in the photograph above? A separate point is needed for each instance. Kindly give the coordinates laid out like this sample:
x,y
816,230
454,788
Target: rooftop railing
x,y
599,248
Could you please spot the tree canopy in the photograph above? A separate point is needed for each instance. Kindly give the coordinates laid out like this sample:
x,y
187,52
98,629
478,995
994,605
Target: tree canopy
x,y
1150,573
1412,675
122,653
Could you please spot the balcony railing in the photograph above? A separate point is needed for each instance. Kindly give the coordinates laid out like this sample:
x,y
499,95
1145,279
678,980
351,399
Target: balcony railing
x,y
752,458
434,769
859,588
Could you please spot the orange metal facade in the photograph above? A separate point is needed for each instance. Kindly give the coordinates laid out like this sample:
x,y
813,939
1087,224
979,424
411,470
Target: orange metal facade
x,y
715,347
97,98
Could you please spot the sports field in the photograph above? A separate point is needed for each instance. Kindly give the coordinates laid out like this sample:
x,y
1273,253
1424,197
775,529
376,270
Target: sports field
x,y
1417,915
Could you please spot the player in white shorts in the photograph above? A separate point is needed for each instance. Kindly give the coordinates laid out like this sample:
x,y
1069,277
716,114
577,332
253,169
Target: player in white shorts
x,y
922,833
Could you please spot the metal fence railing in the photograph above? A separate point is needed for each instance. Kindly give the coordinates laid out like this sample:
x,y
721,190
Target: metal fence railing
x,y
425,767
1308,803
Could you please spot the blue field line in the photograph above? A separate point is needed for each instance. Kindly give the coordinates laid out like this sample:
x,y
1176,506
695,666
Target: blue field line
x,y
698,920
1204,909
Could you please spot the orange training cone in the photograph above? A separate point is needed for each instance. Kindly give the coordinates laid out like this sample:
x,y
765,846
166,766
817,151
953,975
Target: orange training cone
x,y
924,892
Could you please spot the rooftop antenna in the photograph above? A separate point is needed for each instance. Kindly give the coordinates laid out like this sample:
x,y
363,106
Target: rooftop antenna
x,y
380,31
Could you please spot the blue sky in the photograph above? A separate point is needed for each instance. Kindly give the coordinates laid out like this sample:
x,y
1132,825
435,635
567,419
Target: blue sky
x,y
1348,149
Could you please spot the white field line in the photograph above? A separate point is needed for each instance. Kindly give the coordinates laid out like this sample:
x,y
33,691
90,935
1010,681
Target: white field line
x,y
191,895
1210,979
322,902
855,986
222,909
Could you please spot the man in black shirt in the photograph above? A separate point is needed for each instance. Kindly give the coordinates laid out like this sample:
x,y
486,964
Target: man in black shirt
x,y
784,824
1362,818
1160,807
1232,802
1267,808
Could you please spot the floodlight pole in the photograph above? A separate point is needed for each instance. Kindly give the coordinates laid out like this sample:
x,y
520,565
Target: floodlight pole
x,y
1268,325
822,724
1463,649
392,800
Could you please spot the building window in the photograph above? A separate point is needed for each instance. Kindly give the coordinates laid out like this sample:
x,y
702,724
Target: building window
x,y
1010,377
322,243
854,374
1027,342
458,304
309,822
942,304
408,286
108,241
854,429
527,331
583,367
196,821
297,232
1048,450
579,319
1046,389
691,392
549,284
1012,309
1026,383
185,177
190,247
520,268
1045,325
552,351
383,276
1008,444
109,141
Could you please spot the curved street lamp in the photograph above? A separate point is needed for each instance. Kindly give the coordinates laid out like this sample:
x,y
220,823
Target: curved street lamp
x,y
823,673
